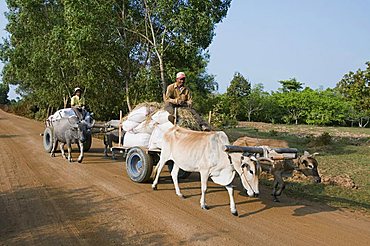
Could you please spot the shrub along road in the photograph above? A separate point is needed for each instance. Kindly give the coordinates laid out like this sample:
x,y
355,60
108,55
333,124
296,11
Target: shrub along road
x,y
47,201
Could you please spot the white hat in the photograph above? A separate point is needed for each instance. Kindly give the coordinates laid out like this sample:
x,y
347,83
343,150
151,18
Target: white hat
x,y
180,75
77,89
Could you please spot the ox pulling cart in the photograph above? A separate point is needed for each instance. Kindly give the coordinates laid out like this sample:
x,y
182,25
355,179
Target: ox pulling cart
x,y
53,120
140,158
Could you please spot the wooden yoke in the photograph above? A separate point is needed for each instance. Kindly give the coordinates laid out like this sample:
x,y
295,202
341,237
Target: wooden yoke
x,y
264,151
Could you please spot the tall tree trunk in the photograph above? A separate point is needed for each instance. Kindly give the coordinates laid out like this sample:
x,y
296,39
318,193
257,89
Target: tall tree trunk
x,y
128,97
161,69
65,101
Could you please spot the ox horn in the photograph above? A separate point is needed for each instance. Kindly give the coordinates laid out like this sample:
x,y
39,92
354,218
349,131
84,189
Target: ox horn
x,y
90,125
265,159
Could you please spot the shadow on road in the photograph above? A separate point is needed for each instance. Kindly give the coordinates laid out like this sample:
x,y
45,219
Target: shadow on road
x,y
8,136
304,207
51,216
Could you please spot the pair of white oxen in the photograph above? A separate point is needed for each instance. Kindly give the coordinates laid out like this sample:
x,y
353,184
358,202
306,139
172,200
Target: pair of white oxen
x,y
204,152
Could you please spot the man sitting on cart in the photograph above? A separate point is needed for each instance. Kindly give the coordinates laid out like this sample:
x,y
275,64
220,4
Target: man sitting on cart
x,y
78,103
178,95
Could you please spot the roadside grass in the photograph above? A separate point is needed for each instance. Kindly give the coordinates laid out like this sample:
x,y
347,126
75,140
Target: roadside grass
x,y
343,152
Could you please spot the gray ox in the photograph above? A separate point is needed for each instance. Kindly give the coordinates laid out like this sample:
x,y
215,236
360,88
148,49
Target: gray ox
x,y
203,152
69,131
306,163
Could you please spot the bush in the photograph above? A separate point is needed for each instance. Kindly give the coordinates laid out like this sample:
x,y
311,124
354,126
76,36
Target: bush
x,y
324,139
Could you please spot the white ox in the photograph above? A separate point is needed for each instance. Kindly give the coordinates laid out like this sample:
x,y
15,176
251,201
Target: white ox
x,y
203,152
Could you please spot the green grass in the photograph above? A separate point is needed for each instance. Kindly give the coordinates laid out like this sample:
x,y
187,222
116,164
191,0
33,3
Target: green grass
x,y
348,153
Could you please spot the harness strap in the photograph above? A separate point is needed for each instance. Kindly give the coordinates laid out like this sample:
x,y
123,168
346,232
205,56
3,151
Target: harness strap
x,y
231,162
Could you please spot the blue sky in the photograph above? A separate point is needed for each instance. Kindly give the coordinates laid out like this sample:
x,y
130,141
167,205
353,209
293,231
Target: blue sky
x,y
315,41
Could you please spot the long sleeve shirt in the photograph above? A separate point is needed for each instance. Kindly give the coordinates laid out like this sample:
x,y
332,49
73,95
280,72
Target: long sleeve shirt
x,y
175,93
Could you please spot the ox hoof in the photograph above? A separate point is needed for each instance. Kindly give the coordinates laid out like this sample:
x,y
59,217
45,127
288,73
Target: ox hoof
x,y
182,196
205,207
235,213
154,187
79,160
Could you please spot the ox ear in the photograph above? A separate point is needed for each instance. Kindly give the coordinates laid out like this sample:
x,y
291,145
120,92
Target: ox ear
x,y
306,153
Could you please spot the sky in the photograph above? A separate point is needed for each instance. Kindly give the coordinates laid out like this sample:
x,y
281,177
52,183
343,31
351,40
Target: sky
x,y
314,41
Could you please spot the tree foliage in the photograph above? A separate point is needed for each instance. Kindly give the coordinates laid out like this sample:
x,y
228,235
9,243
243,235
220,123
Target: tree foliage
x,y
290,85
237,93
120,52
355,88
4,90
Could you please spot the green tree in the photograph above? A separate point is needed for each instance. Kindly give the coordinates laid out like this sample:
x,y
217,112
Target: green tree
x,y
293,104
290,85
57,45
355,88
255,102
4,90
324,107
168,28
238,93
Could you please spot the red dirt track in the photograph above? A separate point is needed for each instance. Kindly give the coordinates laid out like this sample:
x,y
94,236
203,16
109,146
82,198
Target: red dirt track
x,y
47,201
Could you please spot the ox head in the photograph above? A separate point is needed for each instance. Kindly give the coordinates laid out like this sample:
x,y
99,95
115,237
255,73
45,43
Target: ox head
x,y
80,127
307,164
249,169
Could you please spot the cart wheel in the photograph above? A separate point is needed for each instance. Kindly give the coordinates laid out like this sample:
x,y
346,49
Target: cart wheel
x,y
139,165
182,174
47,139
87,143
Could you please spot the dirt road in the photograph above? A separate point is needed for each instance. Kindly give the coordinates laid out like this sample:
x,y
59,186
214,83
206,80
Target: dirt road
x,y
47,201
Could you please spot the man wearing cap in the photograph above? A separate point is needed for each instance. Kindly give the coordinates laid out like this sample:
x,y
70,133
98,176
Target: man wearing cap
x,y
78,103
177,95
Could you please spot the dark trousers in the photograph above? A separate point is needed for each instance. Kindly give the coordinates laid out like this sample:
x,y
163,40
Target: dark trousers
x,y
80,113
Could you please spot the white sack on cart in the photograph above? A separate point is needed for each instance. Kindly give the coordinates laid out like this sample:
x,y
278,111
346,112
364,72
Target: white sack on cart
x,y
128,125
156,139
165,126
161,117
138,139
144,127
61,113
138,115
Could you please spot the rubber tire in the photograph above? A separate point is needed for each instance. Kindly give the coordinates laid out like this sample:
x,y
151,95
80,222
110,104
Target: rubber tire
x,y
139,165
182,174
88,142
47,139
